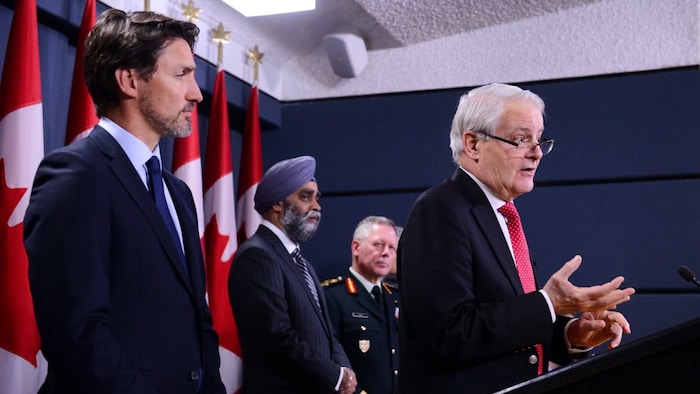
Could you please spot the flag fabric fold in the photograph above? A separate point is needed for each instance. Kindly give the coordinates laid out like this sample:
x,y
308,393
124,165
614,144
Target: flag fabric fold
x,y
220,241
22,367
251,170
81,110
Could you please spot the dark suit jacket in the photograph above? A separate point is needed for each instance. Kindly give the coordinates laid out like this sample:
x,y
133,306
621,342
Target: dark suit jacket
x,y
369,334
466,325
287,342
115,309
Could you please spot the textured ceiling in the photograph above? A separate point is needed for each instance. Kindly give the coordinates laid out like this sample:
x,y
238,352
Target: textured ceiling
x,y
417,45
413,21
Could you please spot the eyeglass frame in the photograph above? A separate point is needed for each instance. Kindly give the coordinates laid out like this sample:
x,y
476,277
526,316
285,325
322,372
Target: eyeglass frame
x,y
539,143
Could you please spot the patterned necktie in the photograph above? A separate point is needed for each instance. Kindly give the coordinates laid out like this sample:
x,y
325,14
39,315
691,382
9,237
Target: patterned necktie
x,y
301,264
522,259
155,185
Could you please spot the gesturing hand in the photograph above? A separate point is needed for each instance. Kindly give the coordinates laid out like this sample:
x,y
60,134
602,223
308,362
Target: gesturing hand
x,y
569,299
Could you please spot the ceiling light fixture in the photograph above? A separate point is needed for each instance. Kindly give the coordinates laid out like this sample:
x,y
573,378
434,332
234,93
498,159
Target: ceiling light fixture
x,y
270,7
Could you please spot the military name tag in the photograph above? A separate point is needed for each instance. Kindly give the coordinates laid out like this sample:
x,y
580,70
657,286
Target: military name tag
x,y
364,345
360,315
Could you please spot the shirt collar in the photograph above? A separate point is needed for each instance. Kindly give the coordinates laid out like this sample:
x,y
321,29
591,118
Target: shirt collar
x,y
288,243
365,283
493,200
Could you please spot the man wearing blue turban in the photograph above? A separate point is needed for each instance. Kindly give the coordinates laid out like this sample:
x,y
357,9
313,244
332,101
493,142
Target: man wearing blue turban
x,y
285,335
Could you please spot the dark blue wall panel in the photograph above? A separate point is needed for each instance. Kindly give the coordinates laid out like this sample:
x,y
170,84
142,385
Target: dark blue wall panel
x,y
375,143
635,125
642,231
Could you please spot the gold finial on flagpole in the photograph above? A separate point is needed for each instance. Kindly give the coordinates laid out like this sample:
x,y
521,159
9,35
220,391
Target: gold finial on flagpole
x,y
220,36
146,5
255,56
190,11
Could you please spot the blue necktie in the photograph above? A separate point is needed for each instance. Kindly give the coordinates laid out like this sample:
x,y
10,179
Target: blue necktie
x,y
155,185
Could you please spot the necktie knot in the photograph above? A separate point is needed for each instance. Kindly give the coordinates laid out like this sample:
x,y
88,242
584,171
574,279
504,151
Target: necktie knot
x,y
509,212
153,165
296,254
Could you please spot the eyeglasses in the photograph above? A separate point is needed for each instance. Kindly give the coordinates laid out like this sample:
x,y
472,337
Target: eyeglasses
x,y
546,144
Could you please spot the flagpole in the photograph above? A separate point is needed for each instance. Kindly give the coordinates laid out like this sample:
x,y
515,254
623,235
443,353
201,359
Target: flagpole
x,y
251,170
220,36
255,56
190,11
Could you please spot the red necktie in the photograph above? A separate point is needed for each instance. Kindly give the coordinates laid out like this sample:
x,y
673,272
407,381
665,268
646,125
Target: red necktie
x,y
522,259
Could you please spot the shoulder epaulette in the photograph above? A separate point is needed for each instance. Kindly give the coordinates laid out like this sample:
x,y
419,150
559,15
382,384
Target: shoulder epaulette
x,y
390,287
331,281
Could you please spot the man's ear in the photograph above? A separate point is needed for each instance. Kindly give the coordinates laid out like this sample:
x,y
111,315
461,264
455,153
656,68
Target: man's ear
x,y
278,207
354,245
470,141
126,81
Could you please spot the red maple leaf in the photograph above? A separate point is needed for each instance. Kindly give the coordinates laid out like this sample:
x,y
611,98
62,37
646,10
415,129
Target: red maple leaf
x,y
18,332
217,287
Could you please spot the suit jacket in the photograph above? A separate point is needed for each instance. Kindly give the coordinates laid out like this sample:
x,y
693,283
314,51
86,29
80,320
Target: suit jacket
x,y
115,309
286,341
369,333
466,325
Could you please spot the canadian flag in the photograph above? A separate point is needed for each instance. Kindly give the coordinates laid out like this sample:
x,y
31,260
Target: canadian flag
x,y
220,241
81,111
187,165
251,170
22,367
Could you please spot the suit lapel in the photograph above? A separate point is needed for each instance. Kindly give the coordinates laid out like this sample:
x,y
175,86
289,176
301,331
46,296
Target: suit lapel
x,y
128,177
486,219
291,267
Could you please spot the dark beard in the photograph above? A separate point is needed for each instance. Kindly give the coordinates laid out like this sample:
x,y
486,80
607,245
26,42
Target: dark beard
x,y
295,224
167,127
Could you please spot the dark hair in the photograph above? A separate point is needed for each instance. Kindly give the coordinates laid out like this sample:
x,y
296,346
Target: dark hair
x,y
127,40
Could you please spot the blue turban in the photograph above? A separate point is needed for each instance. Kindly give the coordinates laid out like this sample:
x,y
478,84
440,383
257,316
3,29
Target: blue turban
x,y
283,179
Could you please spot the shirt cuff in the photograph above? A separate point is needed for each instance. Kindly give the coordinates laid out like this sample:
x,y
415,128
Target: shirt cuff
x,y
573,349
549,304
340,379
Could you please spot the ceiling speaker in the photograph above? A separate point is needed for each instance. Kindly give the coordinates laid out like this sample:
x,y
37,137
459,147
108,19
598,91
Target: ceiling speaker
x,y
347,53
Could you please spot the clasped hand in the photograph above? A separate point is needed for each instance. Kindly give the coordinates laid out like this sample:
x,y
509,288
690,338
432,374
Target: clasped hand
x,y
348,384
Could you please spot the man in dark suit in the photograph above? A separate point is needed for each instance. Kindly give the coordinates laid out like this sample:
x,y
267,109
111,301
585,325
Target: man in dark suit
x,y
118,296
281,313
471,321
364,310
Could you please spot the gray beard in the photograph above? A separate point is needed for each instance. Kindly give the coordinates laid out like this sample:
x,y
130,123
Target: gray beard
x,y
296,225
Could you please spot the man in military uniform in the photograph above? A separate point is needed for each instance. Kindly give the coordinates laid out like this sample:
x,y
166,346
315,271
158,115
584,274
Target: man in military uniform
x,y
364,311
